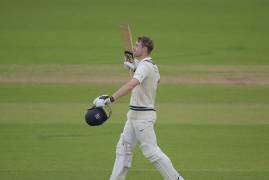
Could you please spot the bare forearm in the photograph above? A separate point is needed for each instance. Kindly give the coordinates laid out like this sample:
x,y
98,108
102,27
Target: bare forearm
x,y
125,89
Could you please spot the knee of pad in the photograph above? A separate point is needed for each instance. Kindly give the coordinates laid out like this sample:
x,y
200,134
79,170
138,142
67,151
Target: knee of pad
x,y
124,147
151,152
120,147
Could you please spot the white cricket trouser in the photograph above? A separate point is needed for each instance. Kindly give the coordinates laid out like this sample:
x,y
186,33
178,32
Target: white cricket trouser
x,y
142,132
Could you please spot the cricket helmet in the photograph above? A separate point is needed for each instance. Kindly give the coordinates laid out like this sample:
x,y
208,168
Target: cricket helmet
x,y
96,116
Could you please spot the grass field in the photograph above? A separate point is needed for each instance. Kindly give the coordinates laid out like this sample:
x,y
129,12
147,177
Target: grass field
x,y
213,100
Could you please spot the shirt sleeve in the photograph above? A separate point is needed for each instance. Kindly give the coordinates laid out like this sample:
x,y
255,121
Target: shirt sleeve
x,y
141,72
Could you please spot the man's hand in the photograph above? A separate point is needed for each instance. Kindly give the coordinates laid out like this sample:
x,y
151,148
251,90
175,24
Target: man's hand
x,y
101,101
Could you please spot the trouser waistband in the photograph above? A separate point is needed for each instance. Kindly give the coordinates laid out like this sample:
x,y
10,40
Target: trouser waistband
x,y
140,108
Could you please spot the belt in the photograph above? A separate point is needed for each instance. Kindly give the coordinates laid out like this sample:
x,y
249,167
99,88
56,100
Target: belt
x,y
140,108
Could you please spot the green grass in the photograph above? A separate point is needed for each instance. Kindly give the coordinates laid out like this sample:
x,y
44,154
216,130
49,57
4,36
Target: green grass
x,y
87,32
56,151
44,136
201,94
211,131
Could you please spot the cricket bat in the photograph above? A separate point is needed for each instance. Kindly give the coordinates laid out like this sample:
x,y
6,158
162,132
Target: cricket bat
x,y
127,42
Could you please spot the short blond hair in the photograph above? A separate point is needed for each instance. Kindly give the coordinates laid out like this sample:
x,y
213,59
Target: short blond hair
x,y
146,42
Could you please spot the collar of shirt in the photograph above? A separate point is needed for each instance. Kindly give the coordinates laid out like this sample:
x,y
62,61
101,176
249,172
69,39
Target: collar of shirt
x,y
147,58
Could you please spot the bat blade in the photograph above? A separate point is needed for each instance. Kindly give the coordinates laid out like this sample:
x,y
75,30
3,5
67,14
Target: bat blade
x,y
127,37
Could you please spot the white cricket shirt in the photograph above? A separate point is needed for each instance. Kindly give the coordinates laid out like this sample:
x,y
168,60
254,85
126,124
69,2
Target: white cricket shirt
x,y
143,95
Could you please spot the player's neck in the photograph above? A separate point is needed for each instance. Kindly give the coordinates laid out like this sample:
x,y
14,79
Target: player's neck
x,y
142,57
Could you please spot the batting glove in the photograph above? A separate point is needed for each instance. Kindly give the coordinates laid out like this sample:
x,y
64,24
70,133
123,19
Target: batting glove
x,y
131,65
128,56
101,101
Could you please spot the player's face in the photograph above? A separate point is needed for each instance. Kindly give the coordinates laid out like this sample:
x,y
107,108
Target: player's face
x,y
139,51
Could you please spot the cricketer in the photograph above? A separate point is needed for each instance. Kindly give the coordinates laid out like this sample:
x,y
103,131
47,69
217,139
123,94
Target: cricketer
x,y
141,117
